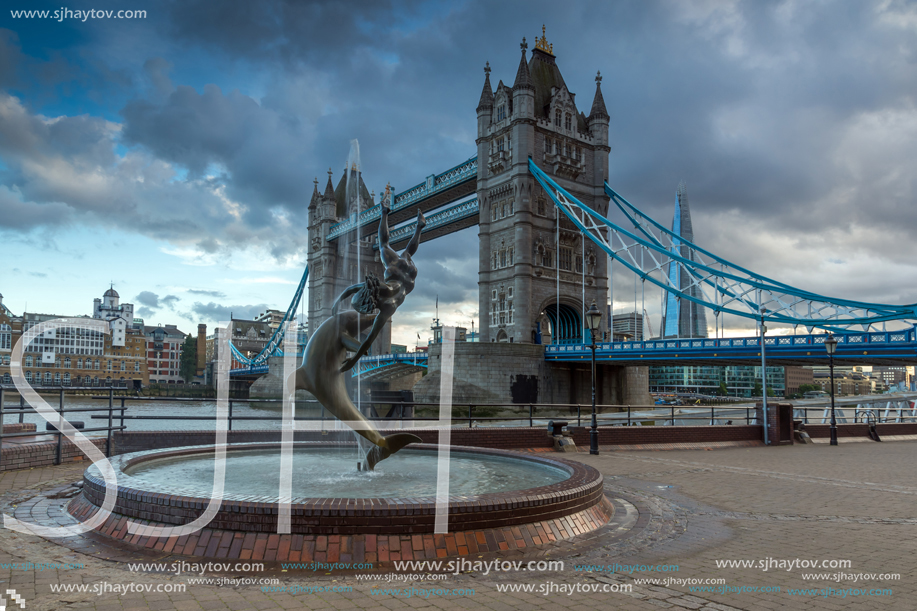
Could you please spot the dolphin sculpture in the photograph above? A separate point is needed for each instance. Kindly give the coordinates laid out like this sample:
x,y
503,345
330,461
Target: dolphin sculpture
x,y
326,362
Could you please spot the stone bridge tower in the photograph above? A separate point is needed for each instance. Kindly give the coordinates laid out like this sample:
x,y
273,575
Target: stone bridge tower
x,y
521,249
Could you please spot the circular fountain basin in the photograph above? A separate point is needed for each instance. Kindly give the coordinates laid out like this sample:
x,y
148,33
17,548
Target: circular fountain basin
x,y
488,488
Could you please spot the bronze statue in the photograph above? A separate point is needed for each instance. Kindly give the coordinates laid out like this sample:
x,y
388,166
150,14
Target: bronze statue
x,y
325,364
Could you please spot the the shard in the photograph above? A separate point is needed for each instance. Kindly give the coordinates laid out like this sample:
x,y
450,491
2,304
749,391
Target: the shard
x,y
682,317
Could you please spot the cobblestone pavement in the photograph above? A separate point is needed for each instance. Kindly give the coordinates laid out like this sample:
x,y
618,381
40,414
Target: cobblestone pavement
x,y
854,502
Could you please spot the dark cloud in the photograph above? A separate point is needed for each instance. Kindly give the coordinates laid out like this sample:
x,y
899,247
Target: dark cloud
x,y
793,124
148,299
169,301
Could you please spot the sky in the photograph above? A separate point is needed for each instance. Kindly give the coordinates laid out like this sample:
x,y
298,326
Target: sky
x,y
173,155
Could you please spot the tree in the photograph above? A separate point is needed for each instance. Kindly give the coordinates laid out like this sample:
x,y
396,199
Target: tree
x,y
723,390
770,392
188,365
804,388
757,390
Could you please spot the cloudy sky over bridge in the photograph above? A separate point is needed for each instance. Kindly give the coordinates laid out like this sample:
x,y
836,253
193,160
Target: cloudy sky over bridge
x,y
174,154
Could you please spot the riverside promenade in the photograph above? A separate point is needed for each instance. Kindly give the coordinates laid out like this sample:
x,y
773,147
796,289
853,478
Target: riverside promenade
x,y
679,514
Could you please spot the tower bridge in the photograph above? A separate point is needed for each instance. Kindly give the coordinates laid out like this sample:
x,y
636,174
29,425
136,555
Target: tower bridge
x,y
537,190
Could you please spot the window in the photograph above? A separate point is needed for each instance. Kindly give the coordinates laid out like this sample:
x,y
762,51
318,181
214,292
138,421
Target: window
x,y
67,379
547,258
500,145
557,117
579,265
47,377
28,377
503,211
540,206
67,362
495,261
501,112
510,257
6,378
566,258
512,206
567,125
79,363
109,365
566,149
96,364
502,258
28,361
123,366
548,146
6,337
137,366
57,378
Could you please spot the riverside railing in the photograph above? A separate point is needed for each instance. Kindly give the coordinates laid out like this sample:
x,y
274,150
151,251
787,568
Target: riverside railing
x,y
61,411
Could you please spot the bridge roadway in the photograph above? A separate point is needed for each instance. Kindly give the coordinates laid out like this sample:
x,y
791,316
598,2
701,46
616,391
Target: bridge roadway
x,y
437,191
882,348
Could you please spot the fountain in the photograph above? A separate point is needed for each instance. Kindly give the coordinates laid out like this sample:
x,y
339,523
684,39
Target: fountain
x,y
489,489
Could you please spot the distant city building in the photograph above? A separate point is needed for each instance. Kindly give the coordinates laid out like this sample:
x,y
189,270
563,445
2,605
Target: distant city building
x,y
120,316
682,317
795,377
627,327
70,356
740,381
273,318
163,354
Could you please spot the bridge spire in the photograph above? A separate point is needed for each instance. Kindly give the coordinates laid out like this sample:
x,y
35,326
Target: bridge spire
x,y
598,103
523,78
487,94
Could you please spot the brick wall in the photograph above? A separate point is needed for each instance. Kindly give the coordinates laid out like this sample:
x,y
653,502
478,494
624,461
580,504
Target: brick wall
x,y
498,438
16,427
25,456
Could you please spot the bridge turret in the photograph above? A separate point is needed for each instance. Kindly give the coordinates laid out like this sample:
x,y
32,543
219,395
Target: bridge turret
x,y
329,204
486,104
598,127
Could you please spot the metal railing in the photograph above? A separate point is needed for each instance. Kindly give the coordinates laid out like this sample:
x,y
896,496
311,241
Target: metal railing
x,y
23,409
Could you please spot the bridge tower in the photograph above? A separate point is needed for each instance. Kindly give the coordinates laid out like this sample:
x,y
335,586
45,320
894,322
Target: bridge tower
x,y
522,248
335,265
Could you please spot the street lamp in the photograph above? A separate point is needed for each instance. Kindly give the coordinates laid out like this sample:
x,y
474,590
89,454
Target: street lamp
x,y
593,319
764,377
831,346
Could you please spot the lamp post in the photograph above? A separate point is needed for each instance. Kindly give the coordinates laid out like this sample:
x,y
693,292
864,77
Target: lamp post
x,y
593,319
830,347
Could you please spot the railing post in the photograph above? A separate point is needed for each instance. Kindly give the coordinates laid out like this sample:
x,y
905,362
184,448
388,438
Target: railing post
x,y
60,424
22,410
628,416
470,408
122,415
111,405
747,416
230,415
673,415
579,415
531,413
712,415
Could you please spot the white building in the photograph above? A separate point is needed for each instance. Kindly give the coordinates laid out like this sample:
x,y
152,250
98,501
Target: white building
x,y
120,317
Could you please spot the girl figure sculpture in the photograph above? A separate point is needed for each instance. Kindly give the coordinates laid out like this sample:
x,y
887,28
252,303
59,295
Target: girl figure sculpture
x,y
325,364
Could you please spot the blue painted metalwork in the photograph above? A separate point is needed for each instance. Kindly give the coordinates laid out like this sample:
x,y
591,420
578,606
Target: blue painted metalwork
x,y
461,173
730,289
893,345
445,216
570,330
369,364
273,346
